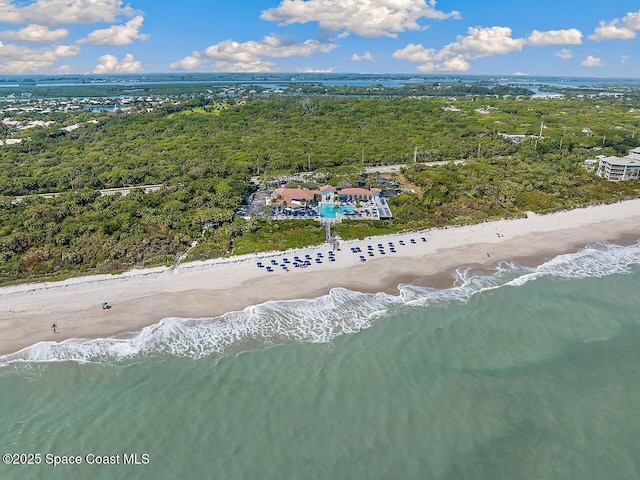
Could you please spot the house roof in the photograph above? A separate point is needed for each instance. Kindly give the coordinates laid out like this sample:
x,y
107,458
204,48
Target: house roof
x,y
293,196
622,162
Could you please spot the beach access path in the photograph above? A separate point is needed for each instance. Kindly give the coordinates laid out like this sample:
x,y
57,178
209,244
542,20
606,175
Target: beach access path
x,y
207,289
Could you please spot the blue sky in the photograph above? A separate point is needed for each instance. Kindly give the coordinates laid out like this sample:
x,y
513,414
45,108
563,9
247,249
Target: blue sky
x,y
501,37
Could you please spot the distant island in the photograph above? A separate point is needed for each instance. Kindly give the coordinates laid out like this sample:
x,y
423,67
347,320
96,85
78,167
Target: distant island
x,y
47,86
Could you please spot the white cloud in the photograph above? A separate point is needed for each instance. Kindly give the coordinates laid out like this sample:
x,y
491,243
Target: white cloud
x,y
624,58
110,64
564,54
10,13
481,42
367,18
117,34
632,20
269,46
56,12
232,56
431,60
455,64
366,56
592,61
571,36
416,53
190,62
66,50
64,69
39,18
20,59
612,30
35,33
617,29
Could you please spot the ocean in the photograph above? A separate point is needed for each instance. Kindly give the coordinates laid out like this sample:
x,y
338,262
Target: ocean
x,y
519,373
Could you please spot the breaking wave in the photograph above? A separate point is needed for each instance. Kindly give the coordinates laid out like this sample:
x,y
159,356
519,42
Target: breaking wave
x,y
322,319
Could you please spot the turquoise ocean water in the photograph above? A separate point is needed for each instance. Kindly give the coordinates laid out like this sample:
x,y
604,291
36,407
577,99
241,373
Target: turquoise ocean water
x,y
525,373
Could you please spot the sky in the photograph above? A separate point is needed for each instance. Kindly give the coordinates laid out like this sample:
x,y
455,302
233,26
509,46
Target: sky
x,y
584,38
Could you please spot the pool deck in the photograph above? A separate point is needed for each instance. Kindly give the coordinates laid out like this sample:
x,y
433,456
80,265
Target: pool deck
x,y
375,209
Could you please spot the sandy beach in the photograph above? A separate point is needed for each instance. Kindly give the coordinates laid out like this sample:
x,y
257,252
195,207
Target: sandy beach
x,y
206,289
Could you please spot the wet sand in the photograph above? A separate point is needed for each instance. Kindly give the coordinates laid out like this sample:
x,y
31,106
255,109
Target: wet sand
x,y
208,289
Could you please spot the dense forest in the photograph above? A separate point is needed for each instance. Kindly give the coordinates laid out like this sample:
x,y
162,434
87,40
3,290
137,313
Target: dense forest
x,y
204,150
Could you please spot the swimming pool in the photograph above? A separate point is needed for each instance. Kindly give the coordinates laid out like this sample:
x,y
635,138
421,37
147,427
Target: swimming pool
x,y
327,210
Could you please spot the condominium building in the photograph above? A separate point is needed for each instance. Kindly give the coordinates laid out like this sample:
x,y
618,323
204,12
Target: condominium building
x,y
620,168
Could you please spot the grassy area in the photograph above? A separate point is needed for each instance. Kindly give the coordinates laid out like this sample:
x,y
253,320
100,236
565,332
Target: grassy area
x,y
352,229
280,235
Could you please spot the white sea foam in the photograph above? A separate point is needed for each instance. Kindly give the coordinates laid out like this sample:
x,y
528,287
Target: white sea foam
x,y
597,260
468,282
322,319
318,320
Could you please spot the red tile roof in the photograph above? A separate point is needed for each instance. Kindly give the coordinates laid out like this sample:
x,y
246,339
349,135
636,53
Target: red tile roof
x,y
293,196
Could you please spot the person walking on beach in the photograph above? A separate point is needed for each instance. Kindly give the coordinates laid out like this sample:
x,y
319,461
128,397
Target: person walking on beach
x,y
53,327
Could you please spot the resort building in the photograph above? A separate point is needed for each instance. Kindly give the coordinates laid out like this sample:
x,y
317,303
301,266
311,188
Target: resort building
x,y
300,197
330,203
620,168
293,197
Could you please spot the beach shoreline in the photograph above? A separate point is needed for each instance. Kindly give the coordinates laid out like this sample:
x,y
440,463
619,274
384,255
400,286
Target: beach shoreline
x,y
140,298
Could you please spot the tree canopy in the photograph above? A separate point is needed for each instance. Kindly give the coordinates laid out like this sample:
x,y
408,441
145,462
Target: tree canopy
x,y
204,151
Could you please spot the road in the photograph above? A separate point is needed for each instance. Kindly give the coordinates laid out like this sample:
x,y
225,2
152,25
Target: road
x,y
381,169
396,168
105,191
